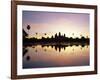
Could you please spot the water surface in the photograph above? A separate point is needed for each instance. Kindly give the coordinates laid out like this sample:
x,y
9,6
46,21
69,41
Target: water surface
x,y
38,56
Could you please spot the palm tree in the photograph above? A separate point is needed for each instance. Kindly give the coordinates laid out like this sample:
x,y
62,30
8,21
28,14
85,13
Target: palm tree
x,y
73,35
87,37
36,34
80,35
45,34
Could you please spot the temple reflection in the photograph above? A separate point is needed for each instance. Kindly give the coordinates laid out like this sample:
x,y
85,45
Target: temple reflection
x,y
58,48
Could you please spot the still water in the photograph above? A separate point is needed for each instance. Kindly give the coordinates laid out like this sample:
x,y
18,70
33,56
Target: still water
x,y
37,56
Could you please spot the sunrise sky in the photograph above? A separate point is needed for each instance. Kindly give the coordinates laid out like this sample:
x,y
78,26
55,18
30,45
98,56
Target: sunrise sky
x,y
55,22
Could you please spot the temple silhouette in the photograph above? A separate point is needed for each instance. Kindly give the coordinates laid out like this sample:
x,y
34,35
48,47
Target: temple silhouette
x,y
55,40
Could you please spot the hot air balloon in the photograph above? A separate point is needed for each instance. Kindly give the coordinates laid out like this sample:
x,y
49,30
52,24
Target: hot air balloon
x,y
28,27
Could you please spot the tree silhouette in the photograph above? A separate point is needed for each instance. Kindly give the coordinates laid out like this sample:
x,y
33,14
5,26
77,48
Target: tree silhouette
x,y
45,34
36,34
73,35
87,37
80,35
